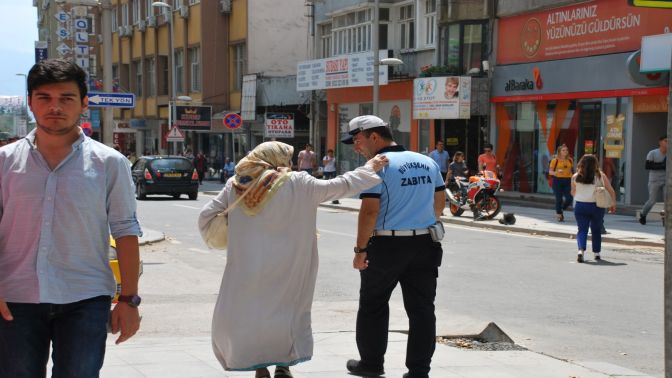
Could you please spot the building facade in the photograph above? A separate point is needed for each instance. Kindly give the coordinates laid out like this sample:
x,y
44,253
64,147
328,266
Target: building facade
x,y
570,75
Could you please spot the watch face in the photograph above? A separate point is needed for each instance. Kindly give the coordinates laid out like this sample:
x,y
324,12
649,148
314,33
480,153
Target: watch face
x,y
135,300
132,300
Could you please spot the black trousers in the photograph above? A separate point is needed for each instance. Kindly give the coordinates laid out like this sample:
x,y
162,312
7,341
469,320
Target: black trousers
x,y
413,262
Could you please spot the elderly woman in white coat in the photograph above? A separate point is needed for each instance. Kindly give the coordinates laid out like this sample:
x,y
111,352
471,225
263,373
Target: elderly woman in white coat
x,y
263,312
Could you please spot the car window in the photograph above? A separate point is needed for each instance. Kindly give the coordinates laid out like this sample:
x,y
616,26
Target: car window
x,y
179,164
139,165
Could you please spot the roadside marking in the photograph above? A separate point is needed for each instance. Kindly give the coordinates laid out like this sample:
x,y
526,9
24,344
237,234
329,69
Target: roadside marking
x,y
320,230
188,207
200,250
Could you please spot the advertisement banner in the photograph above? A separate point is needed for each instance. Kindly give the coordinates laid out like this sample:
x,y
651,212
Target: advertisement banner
x,y
442,97
193,117
587,29
354,70
279,125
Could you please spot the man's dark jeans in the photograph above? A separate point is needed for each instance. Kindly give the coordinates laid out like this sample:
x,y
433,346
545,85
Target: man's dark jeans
x,y
77,330
413,262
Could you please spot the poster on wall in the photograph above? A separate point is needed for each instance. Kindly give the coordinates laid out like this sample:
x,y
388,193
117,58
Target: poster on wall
x,y
341,71
279,125
442,97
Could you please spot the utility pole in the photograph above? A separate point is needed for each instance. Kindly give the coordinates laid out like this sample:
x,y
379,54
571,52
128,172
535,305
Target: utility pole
x,y
667,286
375,46
108,113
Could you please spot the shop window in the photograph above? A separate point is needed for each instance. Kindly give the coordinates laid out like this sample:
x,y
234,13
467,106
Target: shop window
x,y
325,41
195,68
151,77
179,71
239,66
466,47
407,27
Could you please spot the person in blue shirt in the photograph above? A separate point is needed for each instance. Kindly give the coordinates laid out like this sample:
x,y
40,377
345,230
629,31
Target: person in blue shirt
x,y
228,170
441,157
63,195
393,246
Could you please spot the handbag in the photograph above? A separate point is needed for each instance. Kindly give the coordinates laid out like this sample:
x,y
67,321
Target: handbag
x,y
602,196
217,230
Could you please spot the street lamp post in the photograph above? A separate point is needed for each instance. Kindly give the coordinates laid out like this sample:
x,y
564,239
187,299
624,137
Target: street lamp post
x,y
25,103
377,62
173,83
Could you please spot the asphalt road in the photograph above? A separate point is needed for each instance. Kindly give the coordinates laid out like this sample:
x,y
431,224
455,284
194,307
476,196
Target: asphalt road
x,y
531,287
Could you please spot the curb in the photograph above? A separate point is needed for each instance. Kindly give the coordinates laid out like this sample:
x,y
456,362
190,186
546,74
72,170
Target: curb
x,y
155,237
528,231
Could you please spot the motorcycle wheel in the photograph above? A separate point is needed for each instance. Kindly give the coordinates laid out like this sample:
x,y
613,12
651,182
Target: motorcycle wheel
x,y
456,210
489,206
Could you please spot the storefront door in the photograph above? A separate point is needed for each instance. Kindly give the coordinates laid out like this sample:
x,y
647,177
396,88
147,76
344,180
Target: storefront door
x,y
590,121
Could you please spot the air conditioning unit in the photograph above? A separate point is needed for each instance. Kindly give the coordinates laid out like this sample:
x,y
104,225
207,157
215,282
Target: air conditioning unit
x,y
225,6
129,30
121,30
151,21
184,11
142,25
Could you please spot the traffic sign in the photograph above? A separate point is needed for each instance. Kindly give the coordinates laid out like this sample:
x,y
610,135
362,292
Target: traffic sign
x,y
112,100
232,121
175,135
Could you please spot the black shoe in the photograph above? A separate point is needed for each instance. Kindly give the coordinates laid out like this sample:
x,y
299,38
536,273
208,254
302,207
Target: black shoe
x,y
642,219
336,202
579,258
598,258
355,367
408,375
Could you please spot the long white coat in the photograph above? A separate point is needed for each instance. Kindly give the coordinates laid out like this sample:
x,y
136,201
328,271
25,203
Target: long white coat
x,y
263,312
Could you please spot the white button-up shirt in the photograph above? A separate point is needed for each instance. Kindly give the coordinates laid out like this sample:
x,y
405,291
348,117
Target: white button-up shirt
x,y
55,224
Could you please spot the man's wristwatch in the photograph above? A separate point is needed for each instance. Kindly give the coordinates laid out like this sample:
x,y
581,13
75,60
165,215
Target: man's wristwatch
x,y
360,250
131,300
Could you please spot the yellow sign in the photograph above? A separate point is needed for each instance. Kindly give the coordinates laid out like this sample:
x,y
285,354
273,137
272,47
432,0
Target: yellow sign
x,y
615,127
652,3
452,141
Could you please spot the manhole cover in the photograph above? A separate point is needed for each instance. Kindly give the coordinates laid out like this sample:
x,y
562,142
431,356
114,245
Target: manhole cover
x,y
478,344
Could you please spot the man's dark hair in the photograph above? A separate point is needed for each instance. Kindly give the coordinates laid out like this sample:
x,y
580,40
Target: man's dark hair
x,y
309,145
56,71
383,131
488,145
662,138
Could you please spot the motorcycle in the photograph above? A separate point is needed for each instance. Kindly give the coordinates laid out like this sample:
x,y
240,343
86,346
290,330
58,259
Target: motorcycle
x,y
476,193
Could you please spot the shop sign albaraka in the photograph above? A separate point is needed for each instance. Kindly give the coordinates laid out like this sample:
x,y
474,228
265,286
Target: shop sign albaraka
x,y
591,28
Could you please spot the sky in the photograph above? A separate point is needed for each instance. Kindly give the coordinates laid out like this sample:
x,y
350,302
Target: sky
x,y
18,33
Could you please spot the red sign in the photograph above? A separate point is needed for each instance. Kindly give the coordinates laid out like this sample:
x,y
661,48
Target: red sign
x,y
592,28
232,121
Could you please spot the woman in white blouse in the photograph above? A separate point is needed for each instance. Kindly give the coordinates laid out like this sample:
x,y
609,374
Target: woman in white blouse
x,y
588,175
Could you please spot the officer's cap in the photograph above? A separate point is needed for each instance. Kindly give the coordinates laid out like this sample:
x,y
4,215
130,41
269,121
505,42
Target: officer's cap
x,y
361,123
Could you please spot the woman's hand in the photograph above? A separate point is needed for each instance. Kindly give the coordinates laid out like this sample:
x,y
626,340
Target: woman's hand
x,y
612,209
378,162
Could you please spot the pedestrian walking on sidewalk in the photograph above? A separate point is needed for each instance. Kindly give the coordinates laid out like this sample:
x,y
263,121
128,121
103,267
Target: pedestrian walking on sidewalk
x,y
329,163
655,164
262,315
441,157
394,245
201,165
62,195
561,170
587,213
306,160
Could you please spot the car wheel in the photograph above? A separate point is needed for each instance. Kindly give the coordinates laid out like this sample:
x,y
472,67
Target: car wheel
x,y
176,196
140,192
193,196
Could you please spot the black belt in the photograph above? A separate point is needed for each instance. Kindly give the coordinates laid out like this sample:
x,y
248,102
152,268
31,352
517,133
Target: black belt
x,y
420,231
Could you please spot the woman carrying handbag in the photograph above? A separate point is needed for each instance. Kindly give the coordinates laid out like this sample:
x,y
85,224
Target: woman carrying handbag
x,y
593,194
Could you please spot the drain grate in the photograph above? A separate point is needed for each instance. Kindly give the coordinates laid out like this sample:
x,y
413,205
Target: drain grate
x,y
478,344
492,338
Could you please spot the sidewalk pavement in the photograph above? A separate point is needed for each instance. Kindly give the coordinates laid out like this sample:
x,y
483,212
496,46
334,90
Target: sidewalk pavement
x,y
623,229
193,357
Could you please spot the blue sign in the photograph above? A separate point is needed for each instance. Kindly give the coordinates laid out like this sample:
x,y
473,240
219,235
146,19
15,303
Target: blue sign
x,y
94,117
40,54
112,100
